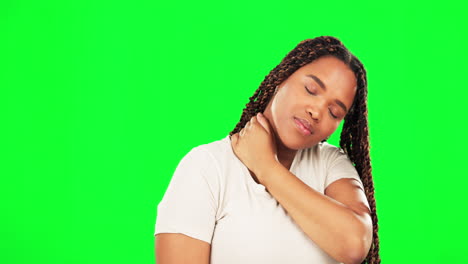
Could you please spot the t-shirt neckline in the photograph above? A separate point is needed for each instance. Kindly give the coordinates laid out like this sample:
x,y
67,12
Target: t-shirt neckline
x,y
259,188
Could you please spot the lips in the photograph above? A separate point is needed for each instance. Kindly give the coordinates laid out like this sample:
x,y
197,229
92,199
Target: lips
x,y
305,123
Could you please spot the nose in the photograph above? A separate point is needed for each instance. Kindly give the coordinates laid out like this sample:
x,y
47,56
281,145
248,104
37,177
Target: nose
x,y
315,110
314,114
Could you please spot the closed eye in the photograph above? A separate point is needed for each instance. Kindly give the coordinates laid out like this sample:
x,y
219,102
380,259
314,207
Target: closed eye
x,y
313,93
307,89
331,113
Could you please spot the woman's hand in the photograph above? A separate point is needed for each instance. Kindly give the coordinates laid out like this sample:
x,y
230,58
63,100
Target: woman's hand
x,y
255,144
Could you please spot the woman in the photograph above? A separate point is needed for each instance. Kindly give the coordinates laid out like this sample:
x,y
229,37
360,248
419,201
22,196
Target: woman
x,y
274,191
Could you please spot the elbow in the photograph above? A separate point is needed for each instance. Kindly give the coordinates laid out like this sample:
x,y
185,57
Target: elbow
x,y
357,251
354,257
359,243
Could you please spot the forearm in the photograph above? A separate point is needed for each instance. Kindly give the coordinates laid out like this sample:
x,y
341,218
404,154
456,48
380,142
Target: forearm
x,y
333,226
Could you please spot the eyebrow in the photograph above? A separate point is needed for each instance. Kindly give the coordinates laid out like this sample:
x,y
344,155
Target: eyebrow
x,y
317,80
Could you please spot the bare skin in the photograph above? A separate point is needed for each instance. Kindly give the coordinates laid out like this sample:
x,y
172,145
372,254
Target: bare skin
x,y
293,100
338,220
331,221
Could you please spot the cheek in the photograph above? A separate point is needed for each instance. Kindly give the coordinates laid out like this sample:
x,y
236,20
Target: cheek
x,y
281,110
330,128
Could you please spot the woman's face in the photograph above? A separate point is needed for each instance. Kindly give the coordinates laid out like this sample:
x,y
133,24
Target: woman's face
x,y
302,96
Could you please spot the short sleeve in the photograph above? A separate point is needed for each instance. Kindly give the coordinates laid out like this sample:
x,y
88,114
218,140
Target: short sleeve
x,y
189,204
340,166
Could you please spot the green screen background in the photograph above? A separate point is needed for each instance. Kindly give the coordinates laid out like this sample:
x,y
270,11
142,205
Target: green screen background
x,y
101,99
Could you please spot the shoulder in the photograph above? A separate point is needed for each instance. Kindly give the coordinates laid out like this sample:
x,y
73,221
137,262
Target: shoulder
x,y
333,153
217,147
325,152
205,150
206,157
329,149
198,173
213,151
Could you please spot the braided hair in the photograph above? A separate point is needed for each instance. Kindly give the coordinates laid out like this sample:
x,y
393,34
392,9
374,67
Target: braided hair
x,y
354,138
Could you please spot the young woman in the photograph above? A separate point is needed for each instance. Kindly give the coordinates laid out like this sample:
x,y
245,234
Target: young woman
x,y
273,190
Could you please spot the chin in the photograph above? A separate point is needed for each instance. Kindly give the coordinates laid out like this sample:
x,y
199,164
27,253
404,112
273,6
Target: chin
x,y
295,142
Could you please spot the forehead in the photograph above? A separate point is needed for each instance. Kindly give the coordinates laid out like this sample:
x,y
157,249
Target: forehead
x,y
338,78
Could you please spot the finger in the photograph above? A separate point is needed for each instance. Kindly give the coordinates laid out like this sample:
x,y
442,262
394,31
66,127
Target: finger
x,y
234,138
249,123
263,121
254,120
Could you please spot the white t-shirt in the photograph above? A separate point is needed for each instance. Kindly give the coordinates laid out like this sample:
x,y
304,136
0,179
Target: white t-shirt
x,y
212,197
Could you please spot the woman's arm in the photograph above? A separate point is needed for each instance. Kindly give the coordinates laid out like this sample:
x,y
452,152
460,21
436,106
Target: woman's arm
x,y
175,248
342,227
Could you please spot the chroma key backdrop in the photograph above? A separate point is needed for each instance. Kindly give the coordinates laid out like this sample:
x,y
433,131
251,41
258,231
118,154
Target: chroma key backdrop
x,y
100,100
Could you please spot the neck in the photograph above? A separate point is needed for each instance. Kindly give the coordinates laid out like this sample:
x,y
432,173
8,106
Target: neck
x,y
285,155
